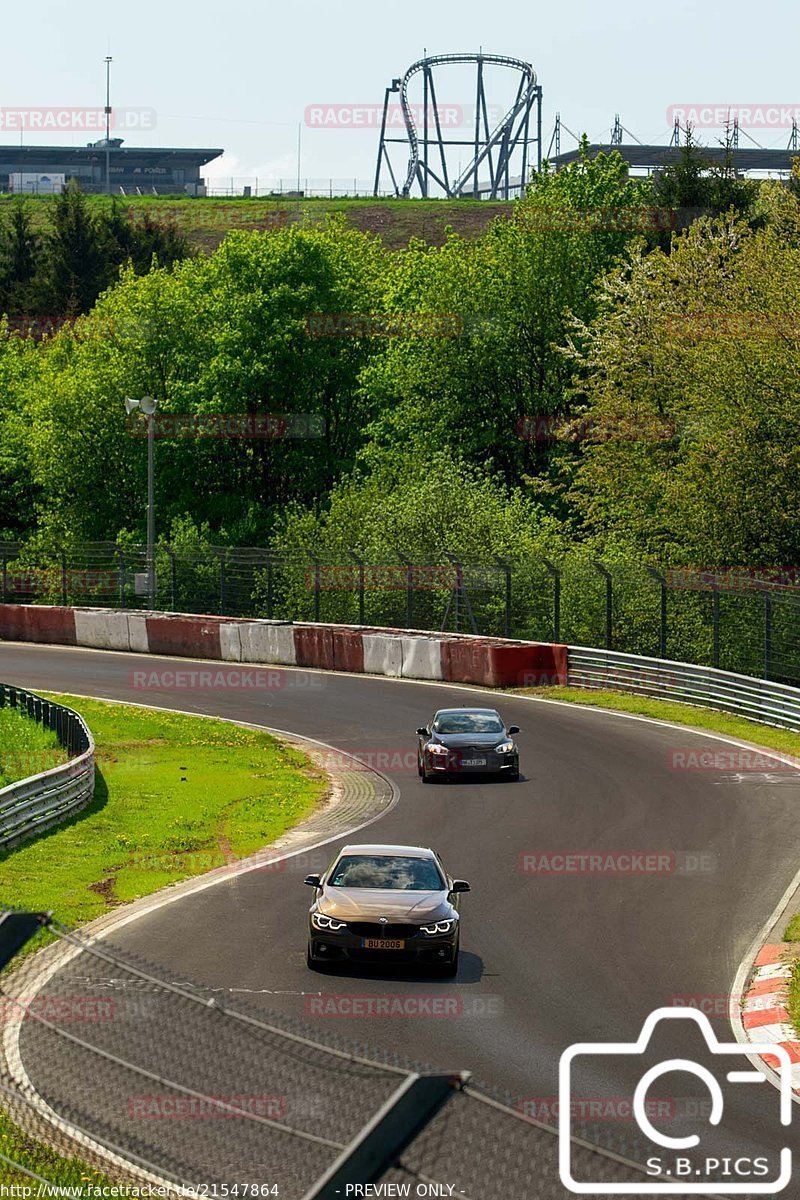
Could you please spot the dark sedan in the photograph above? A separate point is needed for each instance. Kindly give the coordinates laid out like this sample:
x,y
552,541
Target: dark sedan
x,y
467,741
393,904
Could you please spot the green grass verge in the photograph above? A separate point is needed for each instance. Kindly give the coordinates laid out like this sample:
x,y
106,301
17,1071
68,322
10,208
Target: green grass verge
x,y
25,747
792,934
794,996
62,1172
175,796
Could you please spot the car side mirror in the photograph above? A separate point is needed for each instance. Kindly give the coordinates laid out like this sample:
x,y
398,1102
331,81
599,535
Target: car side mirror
x,y
313,880
460,885
423,731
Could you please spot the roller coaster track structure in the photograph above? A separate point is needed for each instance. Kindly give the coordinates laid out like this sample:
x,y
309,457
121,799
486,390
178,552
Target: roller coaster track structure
x,y
513,141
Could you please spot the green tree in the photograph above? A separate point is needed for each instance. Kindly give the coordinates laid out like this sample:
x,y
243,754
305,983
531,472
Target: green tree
x,y
221,342
497,391
20,261
76,269
689,374
698,185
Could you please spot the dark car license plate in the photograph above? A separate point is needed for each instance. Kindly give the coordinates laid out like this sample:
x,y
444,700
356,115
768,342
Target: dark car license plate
x,y
383,944
473,762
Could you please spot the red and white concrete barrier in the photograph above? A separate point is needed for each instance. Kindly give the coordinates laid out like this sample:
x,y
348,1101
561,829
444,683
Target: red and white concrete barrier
x,y
490,662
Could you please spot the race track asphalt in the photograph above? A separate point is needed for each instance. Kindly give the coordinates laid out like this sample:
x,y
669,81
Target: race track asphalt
x,y
547,960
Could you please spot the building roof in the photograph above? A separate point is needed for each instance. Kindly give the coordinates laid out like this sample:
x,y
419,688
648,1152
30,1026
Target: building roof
x,y
94,152
744,158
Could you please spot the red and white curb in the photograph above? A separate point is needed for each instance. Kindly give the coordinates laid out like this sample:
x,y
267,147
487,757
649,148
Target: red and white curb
x,y
764,1014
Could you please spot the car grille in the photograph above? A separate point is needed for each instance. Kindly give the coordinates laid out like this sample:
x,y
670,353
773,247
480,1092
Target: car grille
x,y
367,930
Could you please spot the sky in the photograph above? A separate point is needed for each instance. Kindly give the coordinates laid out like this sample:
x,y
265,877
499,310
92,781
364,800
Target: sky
x,y
253,78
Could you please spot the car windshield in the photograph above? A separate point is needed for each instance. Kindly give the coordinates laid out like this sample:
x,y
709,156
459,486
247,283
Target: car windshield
x,y
468,722
389,873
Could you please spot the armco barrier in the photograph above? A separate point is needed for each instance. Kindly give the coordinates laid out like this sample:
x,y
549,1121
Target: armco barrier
x,y
759,699
32,805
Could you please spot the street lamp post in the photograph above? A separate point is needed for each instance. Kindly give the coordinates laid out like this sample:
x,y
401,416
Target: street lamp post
x,y
109,61
148,405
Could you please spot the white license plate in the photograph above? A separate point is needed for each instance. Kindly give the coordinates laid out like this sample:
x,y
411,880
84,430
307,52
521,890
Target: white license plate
x,y
473,762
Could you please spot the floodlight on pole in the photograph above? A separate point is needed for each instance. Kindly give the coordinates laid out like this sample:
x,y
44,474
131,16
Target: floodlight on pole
x,y
147,405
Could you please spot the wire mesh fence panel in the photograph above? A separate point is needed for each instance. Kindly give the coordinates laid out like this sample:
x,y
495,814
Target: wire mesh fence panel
x,y
104,1056
583,603
486,1151
740,634
740,622
179,1086
690,633
782,653
535,601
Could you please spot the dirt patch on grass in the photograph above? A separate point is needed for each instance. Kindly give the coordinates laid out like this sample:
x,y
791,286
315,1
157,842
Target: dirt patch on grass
x,y
105,889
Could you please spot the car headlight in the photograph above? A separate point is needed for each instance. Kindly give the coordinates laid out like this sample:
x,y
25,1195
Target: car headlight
x,y
320,921
505,748
435,748
439,927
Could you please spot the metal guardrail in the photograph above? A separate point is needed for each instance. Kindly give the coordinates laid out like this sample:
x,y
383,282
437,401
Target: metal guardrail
x,y
32,805
758,699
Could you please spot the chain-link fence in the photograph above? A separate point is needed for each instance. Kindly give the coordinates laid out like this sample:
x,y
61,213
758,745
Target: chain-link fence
x,y
140,1077
742,622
